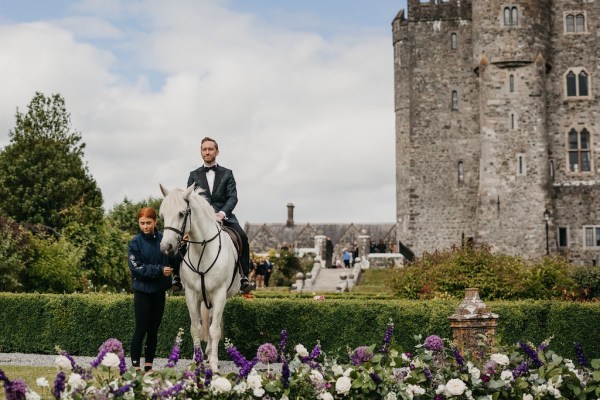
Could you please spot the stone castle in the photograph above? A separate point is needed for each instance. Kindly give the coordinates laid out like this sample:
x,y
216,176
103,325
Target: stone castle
x,y
498,126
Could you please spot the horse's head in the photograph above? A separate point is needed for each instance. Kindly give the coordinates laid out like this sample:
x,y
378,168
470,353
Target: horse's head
x,y
175,212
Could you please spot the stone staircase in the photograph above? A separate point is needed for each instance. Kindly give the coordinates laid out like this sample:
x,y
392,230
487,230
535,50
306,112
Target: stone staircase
x,y
327,280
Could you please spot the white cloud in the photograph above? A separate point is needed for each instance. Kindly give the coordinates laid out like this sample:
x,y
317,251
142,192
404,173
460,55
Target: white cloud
x,y
299,118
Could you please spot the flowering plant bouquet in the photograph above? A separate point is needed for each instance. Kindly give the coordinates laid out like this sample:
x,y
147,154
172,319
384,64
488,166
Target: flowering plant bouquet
x,y
432,370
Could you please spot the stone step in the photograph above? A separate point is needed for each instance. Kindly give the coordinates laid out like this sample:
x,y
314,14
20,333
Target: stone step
x,y
328,279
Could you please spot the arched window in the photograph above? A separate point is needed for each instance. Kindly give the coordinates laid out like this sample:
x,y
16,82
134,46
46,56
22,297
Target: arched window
x,y
577,83
511,16
511,83
580,23
579,148
461,171
570,22
454,100
453,41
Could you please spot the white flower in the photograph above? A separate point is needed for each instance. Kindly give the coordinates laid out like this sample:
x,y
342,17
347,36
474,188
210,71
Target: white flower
x,y
337,369
527,397
500,359
315,376
258,392
31,395
348,372
76,382
111,360
240,387
405,357
63,362
301,350
506,376
254,380
390,396
475,373
42,382
415,390
220,385
455,387
284,397
325,396
343,385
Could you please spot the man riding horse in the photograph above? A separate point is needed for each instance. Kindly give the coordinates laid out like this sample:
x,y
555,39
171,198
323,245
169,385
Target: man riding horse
x,y
221,192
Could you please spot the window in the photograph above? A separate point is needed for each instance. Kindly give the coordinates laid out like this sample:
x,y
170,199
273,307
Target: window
x,y
521,168
454,100
575,23
453,41
511,83
563,237
510,16
551,168
579,148
512,121
591,236
577,83
461,171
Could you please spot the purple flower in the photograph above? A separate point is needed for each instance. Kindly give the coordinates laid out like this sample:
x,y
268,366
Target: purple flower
x,y
458,357
266,353
361,355
387,338
283,338
122,365
240,361
581,360
98,359
375,378
15,390
531,353
173,357
172,391
489,367
285,373
208,377
59,385
434,343
428,374
198,356
112,345
520,370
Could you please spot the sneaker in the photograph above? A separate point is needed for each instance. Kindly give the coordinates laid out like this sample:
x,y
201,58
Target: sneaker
x,y
176,285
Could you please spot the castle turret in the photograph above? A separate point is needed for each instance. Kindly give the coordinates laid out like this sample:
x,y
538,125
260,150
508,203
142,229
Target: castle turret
x,y
510,43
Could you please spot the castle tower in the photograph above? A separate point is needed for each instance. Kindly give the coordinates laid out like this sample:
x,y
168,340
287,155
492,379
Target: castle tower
x,y
510,46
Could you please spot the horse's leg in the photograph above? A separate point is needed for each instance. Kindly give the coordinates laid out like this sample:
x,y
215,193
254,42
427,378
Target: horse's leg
x,y
193,304
204,335
215,328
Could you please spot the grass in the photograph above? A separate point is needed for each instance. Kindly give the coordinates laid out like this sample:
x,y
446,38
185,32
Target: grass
x,y
29,375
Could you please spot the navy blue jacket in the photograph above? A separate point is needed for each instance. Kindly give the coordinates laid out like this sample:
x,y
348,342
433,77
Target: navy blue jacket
x,y
146,263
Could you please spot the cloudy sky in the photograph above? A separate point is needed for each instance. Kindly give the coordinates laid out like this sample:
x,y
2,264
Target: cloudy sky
x,y
299,95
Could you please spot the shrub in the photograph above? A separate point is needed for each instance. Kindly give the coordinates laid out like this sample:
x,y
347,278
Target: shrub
x,y
447,273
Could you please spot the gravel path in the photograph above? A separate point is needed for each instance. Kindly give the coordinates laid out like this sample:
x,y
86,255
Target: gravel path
x,y
47,360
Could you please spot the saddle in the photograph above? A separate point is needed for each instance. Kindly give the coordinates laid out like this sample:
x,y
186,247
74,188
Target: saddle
x,y
237,242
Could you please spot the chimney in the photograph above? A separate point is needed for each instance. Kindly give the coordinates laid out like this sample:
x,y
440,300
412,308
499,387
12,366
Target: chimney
x,y
290,219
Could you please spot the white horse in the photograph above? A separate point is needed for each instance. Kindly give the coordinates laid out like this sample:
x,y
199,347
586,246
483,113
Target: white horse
x,y
209,270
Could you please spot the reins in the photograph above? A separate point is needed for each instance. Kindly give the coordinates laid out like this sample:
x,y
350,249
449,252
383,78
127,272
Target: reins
x,y
202,243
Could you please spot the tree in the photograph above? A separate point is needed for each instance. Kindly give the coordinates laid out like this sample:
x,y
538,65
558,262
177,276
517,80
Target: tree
x,y
43,178
13,253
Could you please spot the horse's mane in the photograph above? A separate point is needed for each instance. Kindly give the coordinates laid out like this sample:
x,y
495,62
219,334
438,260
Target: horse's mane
x,y
199,198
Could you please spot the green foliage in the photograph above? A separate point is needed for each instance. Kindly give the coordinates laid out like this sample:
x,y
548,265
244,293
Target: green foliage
x,y
123,216
54,267
497,276
13,254
42,173
285,268
587,282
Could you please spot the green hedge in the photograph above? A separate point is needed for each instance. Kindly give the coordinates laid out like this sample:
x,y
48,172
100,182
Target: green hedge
x,y
79,323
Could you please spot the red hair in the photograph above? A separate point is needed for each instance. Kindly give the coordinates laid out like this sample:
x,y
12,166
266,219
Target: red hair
x,y
147,212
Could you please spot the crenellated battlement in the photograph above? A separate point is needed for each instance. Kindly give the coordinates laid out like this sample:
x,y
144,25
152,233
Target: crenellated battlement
x,y
434,10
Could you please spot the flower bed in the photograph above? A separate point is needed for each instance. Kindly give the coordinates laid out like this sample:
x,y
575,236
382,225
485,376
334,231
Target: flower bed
x,y
432,370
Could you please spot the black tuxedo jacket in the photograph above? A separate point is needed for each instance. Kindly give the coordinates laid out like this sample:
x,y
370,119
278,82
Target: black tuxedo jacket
x,y
224,194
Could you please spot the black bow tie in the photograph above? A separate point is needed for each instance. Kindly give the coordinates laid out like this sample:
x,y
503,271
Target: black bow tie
x,y
213,168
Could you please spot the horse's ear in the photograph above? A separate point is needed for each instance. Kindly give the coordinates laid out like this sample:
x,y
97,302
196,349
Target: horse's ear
x,y
164,190
189,191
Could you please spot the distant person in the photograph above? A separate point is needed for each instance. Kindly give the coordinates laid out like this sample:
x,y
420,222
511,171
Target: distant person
x,y
354,253
150,278
381,247
268,270
259,274
346,256
328,252
372,247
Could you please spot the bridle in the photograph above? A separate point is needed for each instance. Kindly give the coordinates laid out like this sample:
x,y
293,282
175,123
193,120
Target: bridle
x,y
182,252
